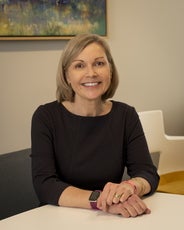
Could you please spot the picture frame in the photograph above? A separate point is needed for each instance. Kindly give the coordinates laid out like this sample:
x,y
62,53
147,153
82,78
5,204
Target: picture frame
x,y
51,19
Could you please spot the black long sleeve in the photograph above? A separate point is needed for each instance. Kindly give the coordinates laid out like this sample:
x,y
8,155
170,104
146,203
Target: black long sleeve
x,y
86,152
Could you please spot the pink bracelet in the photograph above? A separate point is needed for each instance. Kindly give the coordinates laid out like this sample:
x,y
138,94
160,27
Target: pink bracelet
x,y
132,184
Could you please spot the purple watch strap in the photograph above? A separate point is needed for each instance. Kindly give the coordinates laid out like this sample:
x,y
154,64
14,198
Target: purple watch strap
x,y
94,205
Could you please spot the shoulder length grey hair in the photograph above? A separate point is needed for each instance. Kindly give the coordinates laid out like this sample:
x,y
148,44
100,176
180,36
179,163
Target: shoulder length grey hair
x,y
74,47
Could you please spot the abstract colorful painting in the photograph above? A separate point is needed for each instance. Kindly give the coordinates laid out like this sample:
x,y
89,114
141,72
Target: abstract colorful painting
x,y
51,19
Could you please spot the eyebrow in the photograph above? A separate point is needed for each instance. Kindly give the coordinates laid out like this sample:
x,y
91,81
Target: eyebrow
x,y
84,61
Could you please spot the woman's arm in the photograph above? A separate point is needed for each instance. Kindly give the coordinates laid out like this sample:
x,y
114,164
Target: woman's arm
x,y
75,197
138,160
46,181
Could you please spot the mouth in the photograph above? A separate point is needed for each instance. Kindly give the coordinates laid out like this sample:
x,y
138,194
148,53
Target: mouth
x,y
91,84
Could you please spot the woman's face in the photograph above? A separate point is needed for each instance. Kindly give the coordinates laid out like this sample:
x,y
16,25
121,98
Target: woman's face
x,y
89,73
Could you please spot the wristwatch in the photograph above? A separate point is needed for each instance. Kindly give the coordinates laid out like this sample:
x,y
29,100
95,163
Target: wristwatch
x,y
93,198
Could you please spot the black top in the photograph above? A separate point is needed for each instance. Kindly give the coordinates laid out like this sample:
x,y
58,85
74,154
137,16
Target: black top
x,y
87,152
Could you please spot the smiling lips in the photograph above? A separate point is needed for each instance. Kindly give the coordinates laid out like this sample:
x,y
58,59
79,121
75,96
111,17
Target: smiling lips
x,y
91,84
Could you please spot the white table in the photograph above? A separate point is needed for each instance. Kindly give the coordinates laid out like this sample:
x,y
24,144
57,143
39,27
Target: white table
x,y
167,214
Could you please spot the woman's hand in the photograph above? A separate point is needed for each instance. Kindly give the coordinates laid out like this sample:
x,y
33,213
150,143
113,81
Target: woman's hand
x,y
132,207
114,194
121,199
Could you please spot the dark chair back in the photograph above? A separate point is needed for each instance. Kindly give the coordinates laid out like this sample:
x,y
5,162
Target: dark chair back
x,y
16,190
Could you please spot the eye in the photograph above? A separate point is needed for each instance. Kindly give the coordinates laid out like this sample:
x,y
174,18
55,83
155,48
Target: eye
x,y
79,66
99,63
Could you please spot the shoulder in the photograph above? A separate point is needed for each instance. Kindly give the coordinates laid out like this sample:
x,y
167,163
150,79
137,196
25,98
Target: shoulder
x,y
47,106
121,107
46,110
125,113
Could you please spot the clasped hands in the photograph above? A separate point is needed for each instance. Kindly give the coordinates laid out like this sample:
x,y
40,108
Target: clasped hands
x,y
121,199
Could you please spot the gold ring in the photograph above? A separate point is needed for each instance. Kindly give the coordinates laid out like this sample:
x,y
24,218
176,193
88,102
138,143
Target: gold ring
x,y
117,195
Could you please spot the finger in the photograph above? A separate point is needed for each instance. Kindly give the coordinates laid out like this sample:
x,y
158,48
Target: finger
x,y
125,195
104,197
120,194
118,209
138,205
147,211
101,203
130,209
133,210
127,191
113,197
109,192
116,198
124,212
125,209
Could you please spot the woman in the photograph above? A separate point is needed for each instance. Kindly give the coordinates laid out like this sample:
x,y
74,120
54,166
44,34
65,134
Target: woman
x,y
82,142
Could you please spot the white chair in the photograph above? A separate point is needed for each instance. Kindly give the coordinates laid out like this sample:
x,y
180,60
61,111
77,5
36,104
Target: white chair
x,y
171,148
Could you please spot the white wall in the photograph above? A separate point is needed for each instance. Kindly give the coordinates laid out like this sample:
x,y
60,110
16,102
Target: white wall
x,y
146,38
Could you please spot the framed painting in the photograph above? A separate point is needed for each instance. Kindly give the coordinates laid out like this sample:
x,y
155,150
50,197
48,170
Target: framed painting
x,y
51,19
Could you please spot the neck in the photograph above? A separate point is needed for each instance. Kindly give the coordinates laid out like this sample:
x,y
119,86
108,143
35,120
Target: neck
x,y
89,108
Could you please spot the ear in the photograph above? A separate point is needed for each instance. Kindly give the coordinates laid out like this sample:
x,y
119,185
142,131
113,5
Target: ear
x,y
69,83
110,74
110,66
67,79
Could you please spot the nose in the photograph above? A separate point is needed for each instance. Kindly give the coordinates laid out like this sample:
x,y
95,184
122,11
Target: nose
x,y
90,71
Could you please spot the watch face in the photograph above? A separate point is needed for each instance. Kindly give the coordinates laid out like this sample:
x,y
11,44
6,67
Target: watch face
x,y
94,195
